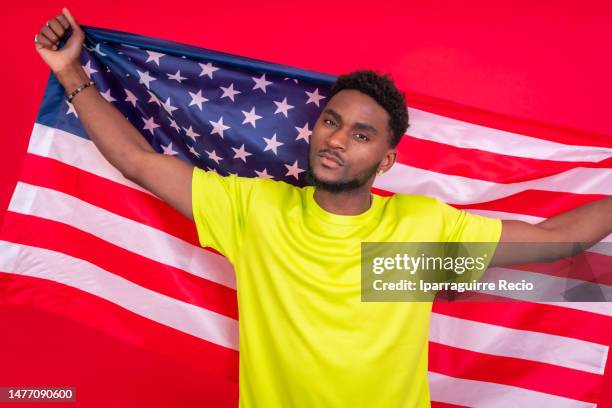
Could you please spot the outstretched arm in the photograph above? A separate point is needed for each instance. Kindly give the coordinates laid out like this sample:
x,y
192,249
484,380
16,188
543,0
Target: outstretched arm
x,y
119,142
584,225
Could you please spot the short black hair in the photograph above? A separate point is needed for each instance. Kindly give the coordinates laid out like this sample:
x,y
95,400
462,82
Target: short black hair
x,y
383,90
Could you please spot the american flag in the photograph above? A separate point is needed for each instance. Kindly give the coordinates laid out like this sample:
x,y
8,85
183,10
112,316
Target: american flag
x,y
79,240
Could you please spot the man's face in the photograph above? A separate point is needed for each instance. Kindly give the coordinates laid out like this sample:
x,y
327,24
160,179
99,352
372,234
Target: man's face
x,y
349,143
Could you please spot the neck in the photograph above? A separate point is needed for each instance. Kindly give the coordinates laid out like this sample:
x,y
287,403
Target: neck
x,y
352,202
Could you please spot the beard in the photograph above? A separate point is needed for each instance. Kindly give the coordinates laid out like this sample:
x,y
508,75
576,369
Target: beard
x,y
341,186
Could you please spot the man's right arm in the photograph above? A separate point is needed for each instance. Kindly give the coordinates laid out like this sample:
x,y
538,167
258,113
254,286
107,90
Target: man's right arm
x,y
120,143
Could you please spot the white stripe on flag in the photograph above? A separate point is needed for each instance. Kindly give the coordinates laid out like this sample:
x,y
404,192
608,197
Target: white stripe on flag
x,y
429,126
46,264
549,289
75,151
472,393
603,249
464,190
134,236
529,345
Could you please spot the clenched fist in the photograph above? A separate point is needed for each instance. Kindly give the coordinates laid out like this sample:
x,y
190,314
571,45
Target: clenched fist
x,y
48,38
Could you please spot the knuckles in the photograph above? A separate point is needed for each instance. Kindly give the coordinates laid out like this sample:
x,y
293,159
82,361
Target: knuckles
x,y
53,31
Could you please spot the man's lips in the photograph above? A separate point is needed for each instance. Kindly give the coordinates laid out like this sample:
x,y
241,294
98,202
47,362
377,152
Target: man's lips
x,y
329,159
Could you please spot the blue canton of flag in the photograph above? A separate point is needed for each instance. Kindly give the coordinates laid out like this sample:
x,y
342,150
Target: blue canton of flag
x,y
220,112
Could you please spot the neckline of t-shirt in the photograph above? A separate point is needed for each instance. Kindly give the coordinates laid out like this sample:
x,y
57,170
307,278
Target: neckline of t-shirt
x,y
323,215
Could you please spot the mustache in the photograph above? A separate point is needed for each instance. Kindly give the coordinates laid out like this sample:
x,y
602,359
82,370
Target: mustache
x,y
332,153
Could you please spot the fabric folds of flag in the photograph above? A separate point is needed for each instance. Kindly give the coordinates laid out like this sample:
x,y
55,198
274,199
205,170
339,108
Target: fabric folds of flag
x,y
79,239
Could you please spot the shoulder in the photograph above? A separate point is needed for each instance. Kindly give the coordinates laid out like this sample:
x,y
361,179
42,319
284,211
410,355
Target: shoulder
x,y
203,179
414,203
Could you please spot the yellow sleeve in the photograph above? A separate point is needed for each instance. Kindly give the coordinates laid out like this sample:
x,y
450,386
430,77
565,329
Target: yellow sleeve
x,y
482,232
462,226
220,207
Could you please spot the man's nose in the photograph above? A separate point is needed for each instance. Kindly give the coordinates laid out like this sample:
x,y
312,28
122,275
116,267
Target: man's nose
x,y
338,139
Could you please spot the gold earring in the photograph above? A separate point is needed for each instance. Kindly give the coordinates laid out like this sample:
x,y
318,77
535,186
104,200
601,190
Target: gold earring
x,y
379,173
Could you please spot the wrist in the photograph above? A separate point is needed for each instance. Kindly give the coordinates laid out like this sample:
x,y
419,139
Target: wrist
x,y
72,76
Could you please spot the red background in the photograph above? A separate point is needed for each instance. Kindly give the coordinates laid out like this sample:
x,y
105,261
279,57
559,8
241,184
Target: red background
x,y
541,62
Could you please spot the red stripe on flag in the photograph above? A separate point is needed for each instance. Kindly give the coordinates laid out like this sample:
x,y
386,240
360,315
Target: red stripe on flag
x,y
540,130
537,203
535,317
114,197
159,277
537,376
480,164
435,404
587,266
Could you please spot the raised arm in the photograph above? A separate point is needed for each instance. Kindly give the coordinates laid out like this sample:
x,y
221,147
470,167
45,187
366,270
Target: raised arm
x,y
579,229
120,143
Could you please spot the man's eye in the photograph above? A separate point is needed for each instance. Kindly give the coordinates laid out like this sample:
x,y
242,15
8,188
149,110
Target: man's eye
x,y
329,122
362,137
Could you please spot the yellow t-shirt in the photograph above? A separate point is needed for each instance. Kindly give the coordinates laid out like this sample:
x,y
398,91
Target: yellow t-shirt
x,y
306,339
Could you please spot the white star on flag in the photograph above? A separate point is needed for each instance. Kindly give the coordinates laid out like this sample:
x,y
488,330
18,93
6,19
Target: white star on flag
x,y
97,50
261,83
229,92
213,156
207,69
174,124
272,144
107,95
88,69
71,110
303,133
282,107
154,56
153,98
168,107
193,151
150,124
177,77
145,78
314,97
168,150
294,170
250,117
264,174
190,132
241,153
218,127
131,98
197,99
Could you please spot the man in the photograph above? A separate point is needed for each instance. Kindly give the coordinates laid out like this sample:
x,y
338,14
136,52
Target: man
x,y
306,339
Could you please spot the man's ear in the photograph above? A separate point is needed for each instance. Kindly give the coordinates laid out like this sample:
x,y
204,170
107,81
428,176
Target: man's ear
x,y
388,160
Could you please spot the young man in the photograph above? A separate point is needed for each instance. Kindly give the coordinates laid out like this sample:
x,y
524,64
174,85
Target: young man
x,y
306,338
